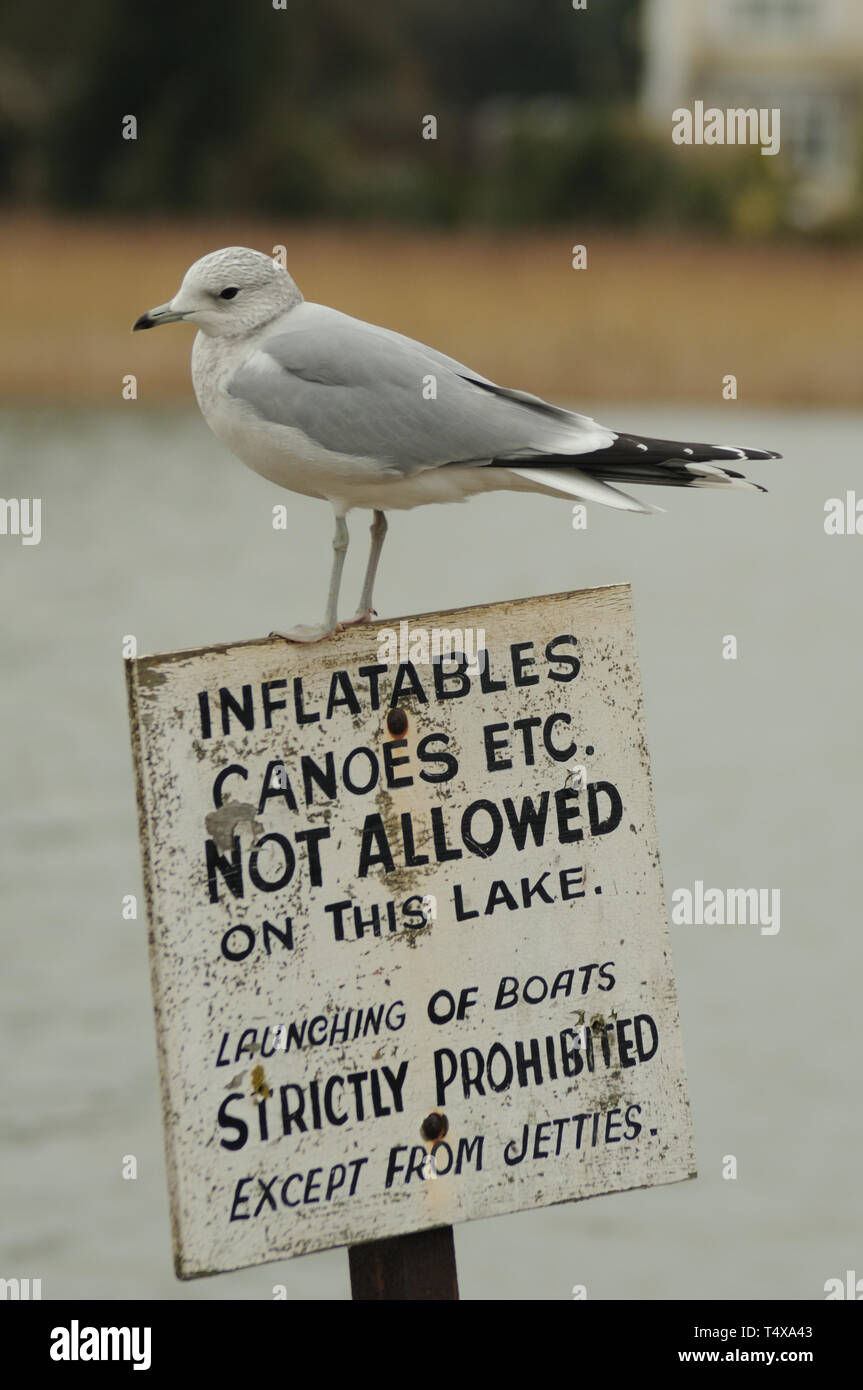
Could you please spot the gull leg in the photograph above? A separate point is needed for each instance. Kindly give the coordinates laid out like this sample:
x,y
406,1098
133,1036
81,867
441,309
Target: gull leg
x,y
366,612
331,620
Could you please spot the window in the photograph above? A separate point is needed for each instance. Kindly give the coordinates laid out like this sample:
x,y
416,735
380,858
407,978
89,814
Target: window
x,y
775,17
811,131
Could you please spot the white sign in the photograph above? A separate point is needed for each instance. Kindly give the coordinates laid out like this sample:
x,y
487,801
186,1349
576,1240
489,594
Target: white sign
x,y
408,938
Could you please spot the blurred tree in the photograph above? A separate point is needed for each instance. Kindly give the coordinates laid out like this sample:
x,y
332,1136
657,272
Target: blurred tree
x,y
206,84
487,48
316,109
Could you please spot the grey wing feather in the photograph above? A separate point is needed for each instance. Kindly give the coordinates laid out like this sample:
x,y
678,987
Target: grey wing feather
x,y
364,391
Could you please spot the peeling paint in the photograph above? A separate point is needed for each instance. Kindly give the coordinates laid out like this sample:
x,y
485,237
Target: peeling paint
x,y
224,823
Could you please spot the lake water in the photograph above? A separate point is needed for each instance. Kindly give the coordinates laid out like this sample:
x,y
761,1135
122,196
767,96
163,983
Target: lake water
x,y
150,528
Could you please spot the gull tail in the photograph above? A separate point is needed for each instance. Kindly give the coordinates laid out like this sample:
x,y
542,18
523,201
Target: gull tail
x,y
635,458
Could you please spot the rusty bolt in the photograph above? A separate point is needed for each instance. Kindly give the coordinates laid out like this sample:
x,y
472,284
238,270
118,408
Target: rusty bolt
x,y
434,1127
397,722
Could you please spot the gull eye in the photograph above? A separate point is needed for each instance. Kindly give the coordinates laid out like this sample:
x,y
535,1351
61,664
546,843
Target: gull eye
x,y
228,294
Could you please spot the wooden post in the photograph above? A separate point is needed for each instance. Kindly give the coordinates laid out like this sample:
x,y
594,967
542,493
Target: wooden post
x,y
415,1267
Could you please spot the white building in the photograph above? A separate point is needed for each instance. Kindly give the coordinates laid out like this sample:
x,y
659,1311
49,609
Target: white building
x,y
804,57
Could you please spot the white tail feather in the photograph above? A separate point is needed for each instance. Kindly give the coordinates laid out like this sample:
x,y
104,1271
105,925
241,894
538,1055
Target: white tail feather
x,y
571,482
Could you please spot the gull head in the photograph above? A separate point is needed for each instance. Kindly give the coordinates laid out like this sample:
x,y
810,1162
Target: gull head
x,y
227,293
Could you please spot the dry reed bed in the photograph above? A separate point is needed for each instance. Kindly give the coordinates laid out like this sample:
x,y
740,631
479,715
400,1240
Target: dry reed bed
x,y
650,318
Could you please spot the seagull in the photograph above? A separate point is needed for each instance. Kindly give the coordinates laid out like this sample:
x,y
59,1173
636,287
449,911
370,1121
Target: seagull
x,y
360,416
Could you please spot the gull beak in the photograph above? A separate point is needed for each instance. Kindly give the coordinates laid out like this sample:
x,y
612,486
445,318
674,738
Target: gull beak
x,y
162,314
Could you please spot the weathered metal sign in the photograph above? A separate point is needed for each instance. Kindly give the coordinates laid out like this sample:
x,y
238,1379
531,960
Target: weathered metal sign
x,y
408,935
